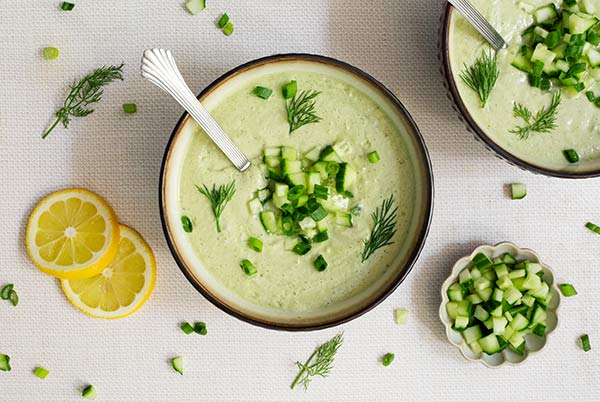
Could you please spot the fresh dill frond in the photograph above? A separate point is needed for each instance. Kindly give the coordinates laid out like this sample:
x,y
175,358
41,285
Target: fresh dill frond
x,y
384,228
319,363
543,121
482,75
301,109
218,197
84,92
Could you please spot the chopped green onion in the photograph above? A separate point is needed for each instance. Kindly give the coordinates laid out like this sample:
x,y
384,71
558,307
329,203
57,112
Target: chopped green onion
x,y
321,237
481,261
255,244
187,328
50,53
289,90
400,316
288,208
248,267
319,213
66,6
332,168
321,192
287,225
567,289
295,192
5,291
320,263
40,372
262,92
357,210
177,363
200,328
187,224
570,3
388,359
373,157
302,248
89,392
195,6
223,21
228,29
593,228
591,96
585,343
4,362
518,191
571,155
13,297
129,107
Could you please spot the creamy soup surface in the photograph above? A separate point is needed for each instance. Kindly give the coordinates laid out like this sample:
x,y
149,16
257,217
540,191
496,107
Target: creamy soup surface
x,y
285,281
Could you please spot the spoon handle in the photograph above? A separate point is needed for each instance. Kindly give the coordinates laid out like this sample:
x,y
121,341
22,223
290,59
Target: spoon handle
x,y
159,67
480,23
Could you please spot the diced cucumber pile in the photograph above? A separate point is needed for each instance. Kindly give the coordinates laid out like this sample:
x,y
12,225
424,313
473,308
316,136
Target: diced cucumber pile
x,y
306,193
496,303
561,47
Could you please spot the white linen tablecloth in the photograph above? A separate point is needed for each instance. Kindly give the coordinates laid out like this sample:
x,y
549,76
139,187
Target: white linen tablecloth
x,y
119,156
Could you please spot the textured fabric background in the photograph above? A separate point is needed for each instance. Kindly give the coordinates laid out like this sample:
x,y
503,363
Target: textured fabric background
x,y
119,156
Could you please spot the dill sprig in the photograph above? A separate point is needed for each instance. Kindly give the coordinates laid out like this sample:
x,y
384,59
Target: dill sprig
x,y
481,76
218,197
319,363
384,228
543,121
88,90
301,109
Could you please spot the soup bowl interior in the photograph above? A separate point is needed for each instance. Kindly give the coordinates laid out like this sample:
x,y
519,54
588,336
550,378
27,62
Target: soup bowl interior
x,y
227,300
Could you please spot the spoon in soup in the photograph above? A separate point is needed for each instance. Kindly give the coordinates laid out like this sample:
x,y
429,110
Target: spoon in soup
x,y
479,23
159,67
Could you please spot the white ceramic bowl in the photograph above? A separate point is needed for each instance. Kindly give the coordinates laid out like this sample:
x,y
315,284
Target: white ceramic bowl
x,y
533,343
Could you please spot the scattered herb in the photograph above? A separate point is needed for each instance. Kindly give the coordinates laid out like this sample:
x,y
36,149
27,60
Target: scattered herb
x,y
585,343
50,53
384,228
223,21
200,328
228,29
567,289
401,316
388,359
289,90
85,92
248,267
4,362
481,76
262,92
218,197
543,121
301,109
594,228
40,372
89,392
255,244
187,328
373,157
187,224
177,363
129,107
518,191
195,6
320,263
319,363
66,6
8,293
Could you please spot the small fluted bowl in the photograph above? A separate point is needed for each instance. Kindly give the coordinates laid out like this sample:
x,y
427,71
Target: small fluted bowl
x,y
533,343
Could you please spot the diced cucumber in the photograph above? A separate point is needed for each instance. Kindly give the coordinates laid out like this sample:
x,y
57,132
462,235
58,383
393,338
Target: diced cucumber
x,y
313,154
255,206
461,323
485,294
489,324
587,6
289,166
539,329
307,223
579,23
497,312
451,309
541,53
507,258
268,220
489,274
272,152
312,179
498,295
328,154
297,179
501,270
519,322
522,59
542,292
321,168
281,189
475,347
499,325
539,315
532,282
594,57
465,278
545,15
472,334
476,273
474,298
456,292
345,177
464,308
272,161
481,314
517,273
517,340
289,153
512,295
489,344
504,283
177,364
540,31
343,219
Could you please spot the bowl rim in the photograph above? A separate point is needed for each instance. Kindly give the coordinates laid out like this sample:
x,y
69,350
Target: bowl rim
x,y
427,185
453,276
497,149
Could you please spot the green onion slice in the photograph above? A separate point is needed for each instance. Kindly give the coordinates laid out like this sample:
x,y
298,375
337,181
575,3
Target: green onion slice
x,y
320,263
223,21
289,90
287,225
13,297
571,155
388,359
4,362
187,224
248,267
228,29
592,227
255,244
262,92
585,343
187,328
177,363
321,192
89,392
302,248
332,168
373,157
319,213
50,53
40,372
200,328
321,237
66,6
295,192
567,289
5,291
129,107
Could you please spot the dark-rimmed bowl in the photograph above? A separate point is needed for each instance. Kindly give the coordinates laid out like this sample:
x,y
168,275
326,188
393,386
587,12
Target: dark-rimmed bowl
x,y
474,128
422,218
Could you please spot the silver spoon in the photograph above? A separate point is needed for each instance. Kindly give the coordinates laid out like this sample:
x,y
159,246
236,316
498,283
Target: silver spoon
x,y
159,67
479,23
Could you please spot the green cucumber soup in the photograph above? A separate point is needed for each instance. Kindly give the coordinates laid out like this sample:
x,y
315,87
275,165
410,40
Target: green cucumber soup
x,y
577,119
355,125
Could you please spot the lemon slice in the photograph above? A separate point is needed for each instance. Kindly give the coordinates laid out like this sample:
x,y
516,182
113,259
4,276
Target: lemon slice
x,y
72,234
122,287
